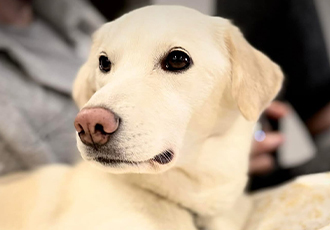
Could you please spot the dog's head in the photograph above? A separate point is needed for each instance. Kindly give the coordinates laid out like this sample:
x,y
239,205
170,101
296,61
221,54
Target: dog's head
x,y
160,78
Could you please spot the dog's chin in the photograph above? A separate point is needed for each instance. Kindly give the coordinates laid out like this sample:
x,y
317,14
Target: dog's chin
x,y
157,164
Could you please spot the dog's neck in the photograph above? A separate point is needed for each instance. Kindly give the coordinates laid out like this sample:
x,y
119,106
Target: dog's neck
x,y
213,175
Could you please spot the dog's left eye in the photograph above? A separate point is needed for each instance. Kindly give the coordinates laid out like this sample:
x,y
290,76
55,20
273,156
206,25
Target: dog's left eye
x,y
176,60
104,64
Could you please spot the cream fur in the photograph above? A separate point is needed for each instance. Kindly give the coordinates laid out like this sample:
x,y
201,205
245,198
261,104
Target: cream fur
x,y
205,115
301,204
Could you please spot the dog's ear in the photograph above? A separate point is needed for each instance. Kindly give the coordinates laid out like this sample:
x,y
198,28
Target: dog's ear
x,y
83,86
255,79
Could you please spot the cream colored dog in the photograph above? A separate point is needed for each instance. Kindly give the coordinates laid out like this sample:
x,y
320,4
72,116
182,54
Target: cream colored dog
x,y
186,90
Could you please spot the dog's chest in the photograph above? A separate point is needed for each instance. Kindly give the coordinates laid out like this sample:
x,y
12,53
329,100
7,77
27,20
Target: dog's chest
x,y
103,202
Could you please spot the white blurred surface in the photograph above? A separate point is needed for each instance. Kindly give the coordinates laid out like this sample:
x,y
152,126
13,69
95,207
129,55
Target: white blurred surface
x,y
298,147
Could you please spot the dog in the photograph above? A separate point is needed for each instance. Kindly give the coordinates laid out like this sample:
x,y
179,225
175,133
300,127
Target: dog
x,y
168,101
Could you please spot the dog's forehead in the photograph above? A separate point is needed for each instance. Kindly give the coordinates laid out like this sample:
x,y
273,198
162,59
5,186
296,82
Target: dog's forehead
x,y
165,15
157,24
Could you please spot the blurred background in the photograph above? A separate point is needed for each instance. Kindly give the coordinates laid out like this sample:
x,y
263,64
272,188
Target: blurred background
x,y
44,42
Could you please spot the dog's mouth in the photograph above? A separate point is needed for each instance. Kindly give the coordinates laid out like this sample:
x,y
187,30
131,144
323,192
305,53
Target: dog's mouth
x,y
162,158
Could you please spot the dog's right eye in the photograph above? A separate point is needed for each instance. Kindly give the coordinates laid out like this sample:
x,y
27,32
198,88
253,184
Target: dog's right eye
x,y
104,64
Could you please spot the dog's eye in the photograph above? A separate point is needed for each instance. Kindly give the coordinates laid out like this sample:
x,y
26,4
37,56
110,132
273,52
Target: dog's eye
x,y
176,60
104,64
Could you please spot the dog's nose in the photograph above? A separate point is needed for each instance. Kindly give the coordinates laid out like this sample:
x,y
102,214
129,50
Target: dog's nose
x,y
95,125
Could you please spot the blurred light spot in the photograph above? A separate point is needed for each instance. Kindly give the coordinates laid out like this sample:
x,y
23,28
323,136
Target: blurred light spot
x,y
259,135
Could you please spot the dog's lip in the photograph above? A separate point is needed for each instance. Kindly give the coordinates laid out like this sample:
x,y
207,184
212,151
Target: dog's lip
x,y
162,158
165,157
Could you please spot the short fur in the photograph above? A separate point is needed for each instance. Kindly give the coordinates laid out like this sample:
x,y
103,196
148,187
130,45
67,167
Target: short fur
x,y
205,115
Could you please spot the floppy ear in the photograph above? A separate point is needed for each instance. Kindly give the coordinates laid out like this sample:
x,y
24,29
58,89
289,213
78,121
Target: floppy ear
x,y
83,88
84,85
256,80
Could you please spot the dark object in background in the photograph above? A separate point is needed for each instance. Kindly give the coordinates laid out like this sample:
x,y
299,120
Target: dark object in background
x,y
289,32
113,9
279,174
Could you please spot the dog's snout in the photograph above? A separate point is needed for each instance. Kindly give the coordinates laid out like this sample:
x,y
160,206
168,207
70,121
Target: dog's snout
x,y
95,125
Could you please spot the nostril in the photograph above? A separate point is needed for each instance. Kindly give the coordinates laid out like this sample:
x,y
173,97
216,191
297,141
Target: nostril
x,y
80,129
99,128
108,126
